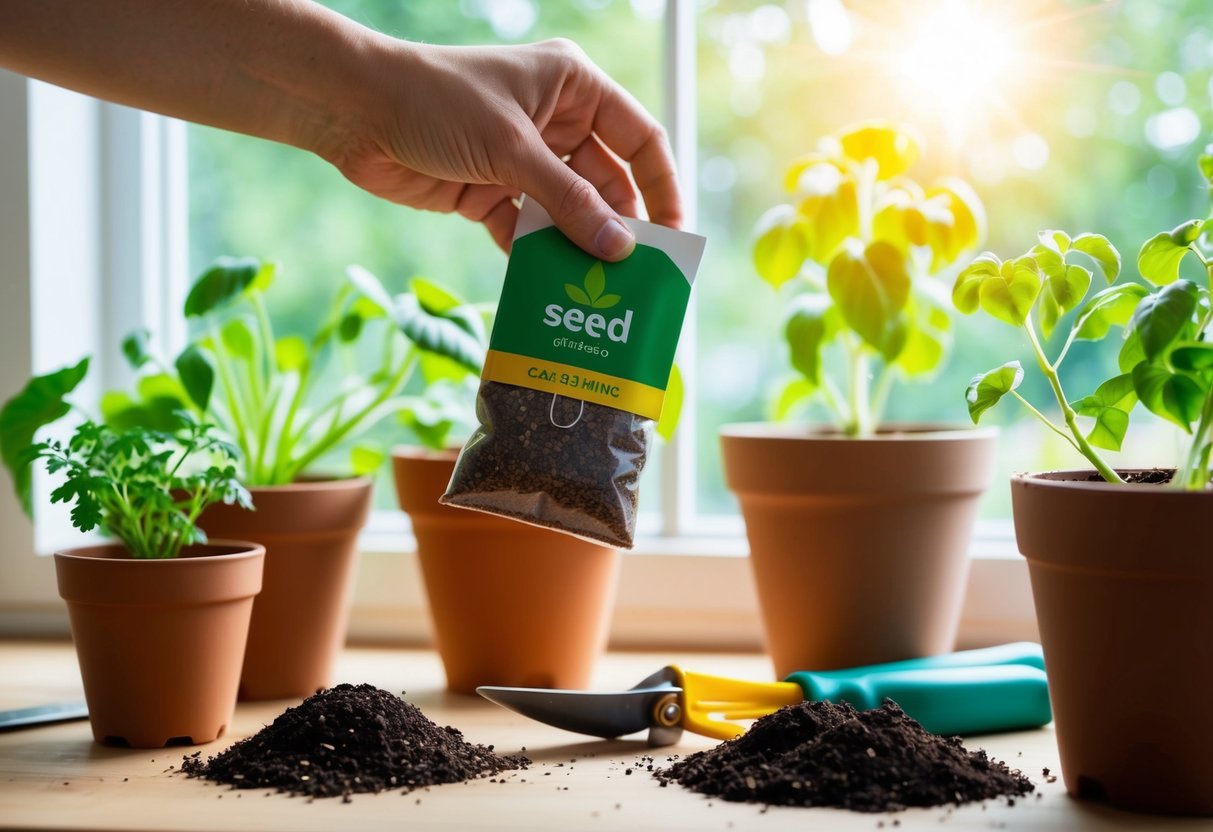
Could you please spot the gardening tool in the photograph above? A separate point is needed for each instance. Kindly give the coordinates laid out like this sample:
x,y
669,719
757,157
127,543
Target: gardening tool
x,y
42,714
969,692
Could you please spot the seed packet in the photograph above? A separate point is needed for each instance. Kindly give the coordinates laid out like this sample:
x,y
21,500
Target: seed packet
x,y
575,378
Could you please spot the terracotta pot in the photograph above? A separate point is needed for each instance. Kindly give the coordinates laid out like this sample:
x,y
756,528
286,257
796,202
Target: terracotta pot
x,y
859,546
1123,585
160,642
310,534
512,604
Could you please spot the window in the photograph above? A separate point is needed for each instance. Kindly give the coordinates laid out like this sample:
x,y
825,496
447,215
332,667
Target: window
x,y
1083,116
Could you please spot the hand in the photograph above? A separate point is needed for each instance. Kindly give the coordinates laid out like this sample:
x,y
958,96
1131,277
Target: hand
x,y
469,129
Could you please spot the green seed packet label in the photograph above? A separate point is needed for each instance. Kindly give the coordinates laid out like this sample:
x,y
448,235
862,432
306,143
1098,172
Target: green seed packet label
x,y
602,332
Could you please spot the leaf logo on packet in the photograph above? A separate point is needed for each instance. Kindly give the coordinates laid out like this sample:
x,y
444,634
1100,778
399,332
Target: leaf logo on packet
x,y
575,379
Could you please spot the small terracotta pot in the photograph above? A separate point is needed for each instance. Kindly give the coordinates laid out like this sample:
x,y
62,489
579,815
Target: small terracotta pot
x,y
859,546
310,534
160,642
512,604
1123,583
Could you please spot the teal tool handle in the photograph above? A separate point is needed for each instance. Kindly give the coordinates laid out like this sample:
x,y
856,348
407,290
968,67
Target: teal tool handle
x,y
1019,652
971,692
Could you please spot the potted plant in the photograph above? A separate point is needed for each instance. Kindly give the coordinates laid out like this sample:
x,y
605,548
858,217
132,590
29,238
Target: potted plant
x,y
858,531
289,413
159,618
511,603
1118,559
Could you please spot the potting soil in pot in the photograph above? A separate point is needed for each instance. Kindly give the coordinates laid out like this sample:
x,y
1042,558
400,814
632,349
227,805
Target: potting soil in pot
x,y
349,739
822,754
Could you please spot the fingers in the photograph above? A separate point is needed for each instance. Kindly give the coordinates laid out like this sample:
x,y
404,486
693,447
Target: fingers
x,y
573,202
604,171
627,129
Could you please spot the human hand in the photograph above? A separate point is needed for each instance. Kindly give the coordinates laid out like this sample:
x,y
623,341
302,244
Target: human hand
x,y
469,129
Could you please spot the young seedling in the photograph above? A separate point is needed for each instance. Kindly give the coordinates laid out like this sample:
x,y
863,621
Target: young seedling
x,y
868,253
1165,360
144,486
272,394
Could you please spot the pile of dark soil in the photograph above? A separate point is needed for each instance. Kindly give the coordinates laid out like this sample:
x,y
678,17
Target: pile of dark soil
x,y
346,740
822,754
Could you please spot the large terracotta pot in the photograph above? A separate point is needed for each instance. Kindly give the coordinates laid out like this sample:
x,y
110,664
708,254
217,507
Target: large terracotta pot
x,y
859,546
512,604
310,534
1122,577
160,642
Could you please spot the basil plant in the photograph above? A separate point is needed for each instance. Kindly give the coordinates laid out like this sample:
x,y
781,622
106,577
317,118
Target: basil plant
x,y
288,400
865,256
1165,358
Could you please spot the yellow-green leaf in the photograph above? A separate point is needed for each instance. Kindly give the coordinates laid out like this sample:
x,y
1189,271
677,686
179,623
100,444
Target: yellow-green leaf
x,y
671,406
1159,258
870,287
1010,296
966,292
782,245
1058,241
894,148
1097,247
986,389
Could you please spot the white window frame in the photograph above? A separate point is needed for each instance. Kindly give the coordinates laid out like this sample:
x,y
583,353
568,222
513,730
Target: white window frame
x,y
94,205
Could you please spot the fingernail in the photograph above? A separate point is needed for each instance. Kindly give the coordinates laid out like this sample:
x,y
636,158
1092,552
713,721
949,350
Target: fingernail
x,y
614,240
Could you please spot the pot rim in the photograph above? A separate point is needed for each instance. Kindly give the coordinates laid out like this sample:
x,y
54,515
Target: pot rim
x,y
889,432
422,453
1077,479
245,549
334,484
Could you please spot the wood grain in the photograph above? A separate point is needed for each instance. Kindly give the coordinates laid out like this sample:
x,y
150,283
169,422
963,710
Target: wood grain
x,y
56,777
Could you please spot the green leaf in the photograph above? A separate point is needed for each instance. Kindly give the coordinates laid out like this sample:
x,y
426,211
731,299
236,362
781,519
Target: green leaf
x,y
595,282
1011,295
40,402
1131,354
794,393
607,301
238,338
671,407
1187,233
923,352
197,375
221,284
1097,247
135,348
1163,316
435,368
811,325
1110,405
1205,163
435,299
1058,241
1069,287
264,279
986,389
871,286
966,292
291,353
1050,313
1050,262
367,285
1192,356
158,412
350,328
366,459
577,294
782,246
1172,396
1113,306
446,335
1160,256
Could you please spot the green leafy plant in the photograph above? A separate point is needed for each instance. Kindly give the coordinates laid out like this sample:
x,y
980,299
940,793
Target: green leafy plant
x,y
865,255
144,486
1165,360
271,393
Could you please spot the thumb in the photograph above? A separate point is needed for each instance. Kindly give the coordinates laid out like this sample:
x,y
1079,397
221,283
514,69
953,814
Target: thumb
x,y
576,207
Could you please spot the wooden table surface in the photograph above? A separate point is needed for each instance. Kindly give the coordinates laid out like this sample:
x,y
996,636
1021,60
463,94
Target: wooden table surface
x,y
56,777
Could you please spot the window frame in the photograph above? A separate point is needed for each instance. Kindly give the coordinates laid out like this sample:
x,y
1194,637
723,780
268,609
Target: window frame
x,y
128,192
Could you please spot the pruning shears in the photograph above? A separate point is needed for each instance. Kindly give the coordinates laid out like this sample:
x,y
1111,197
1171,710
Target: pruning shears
x,y
982,691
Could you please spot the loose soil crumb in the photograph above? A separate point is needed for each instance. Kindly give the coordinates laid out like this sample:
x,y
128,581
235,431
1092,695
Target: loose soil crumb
x,y
346,740
822,754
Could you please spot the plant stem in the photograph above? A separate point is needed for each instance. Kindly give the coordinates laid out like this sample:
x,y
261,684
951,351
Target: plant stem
x,y
857,394
1048,422
235,406
880,393
1084,447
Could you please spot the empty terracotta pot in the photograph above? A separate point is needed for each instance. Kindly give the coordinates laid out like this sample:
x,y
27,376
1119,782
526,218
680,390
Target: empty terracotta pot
x,y
859,546
310,534
512,604
1122,579
160,642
